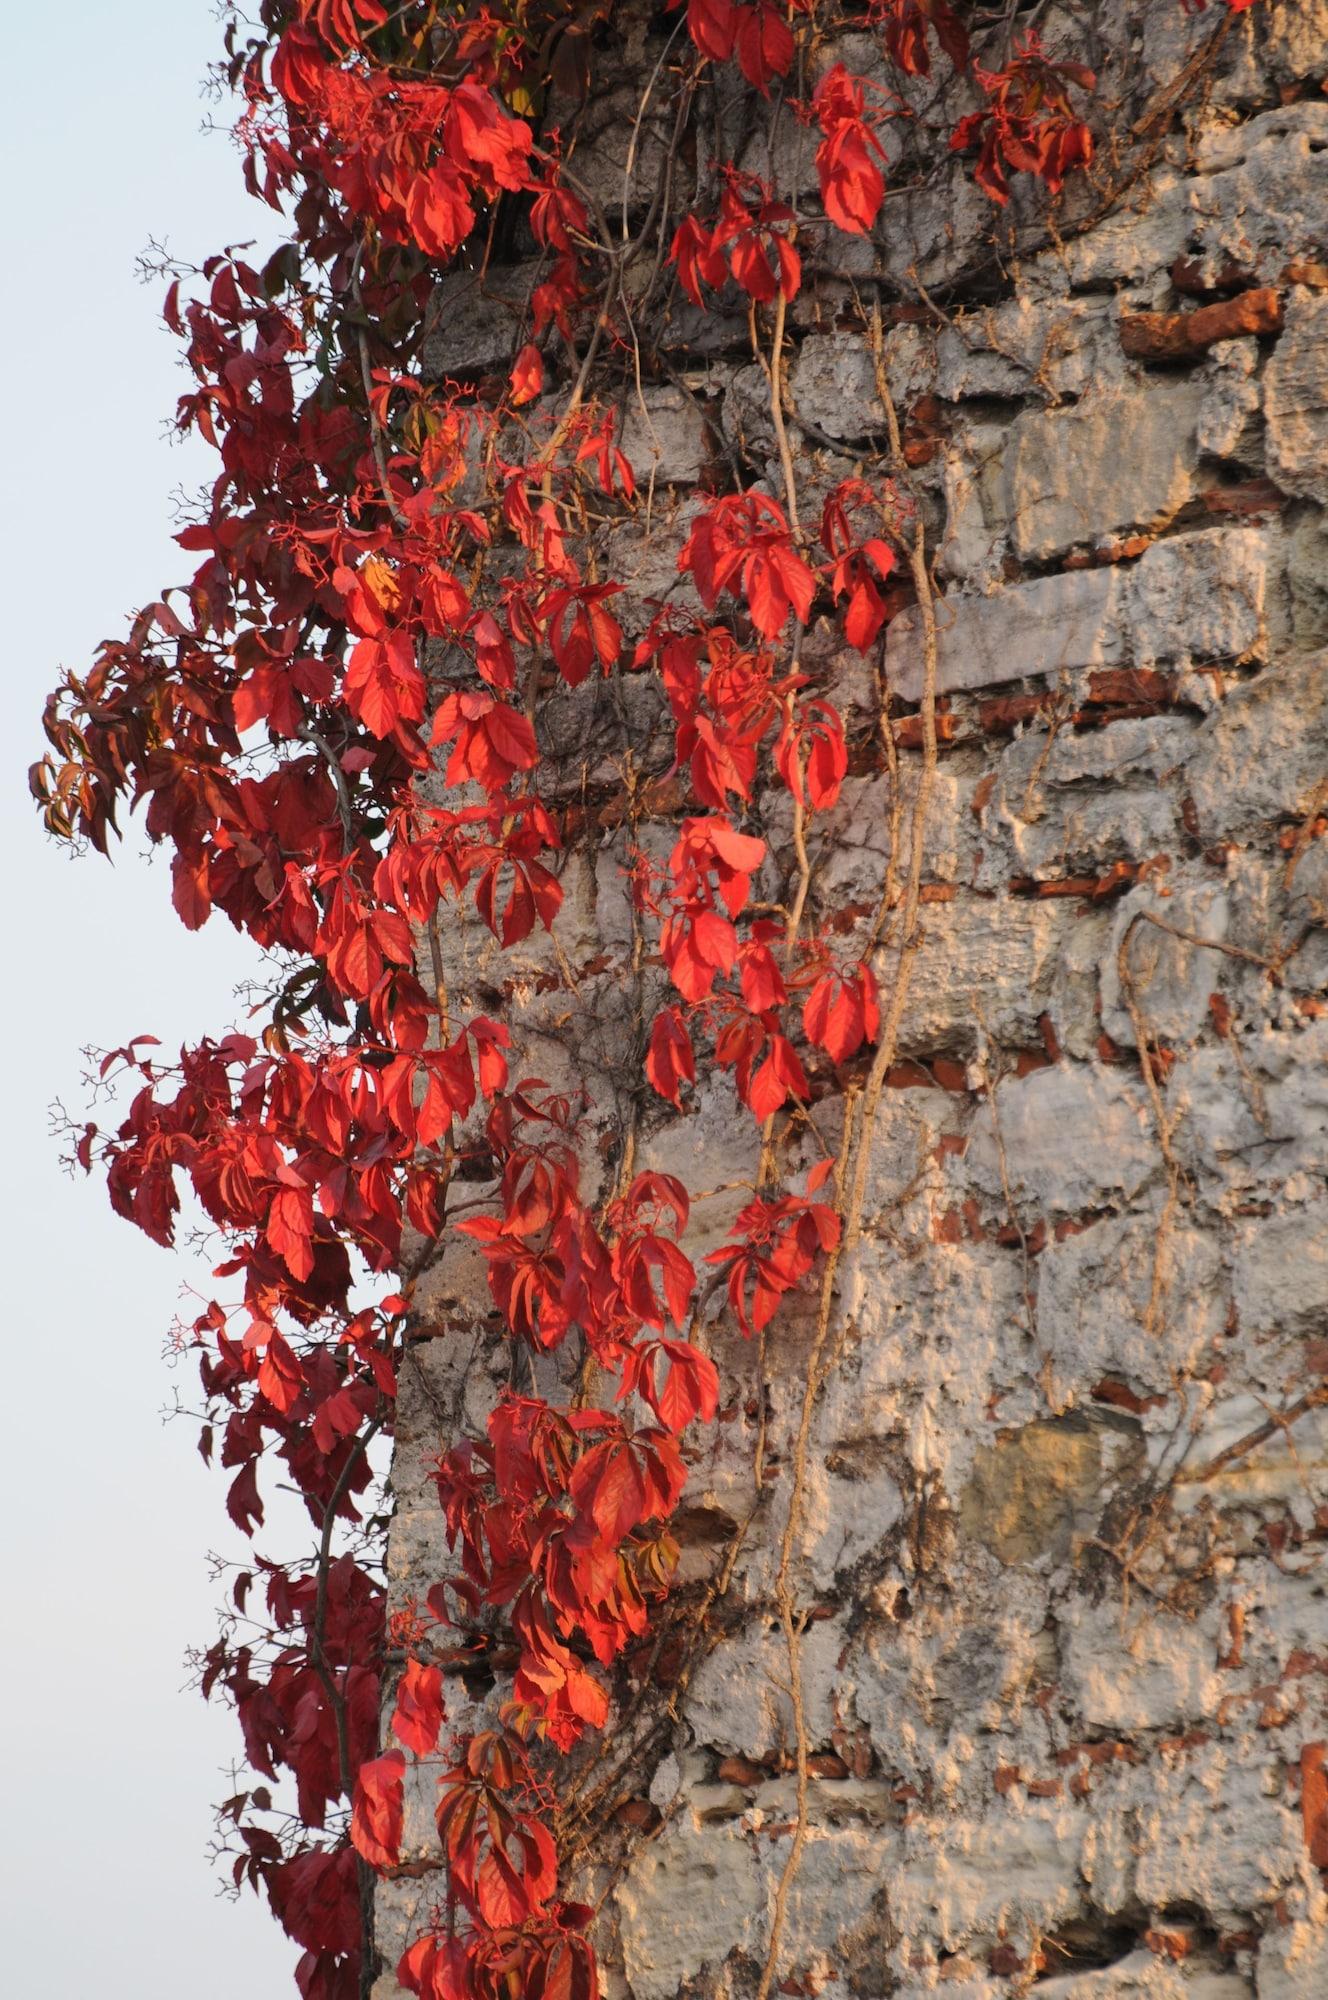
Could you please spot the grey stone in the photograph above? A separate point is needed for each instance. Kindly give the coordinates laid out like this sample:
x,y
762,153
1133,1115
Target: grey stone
x,y
1296,392
928,232
703,1890
1074,1136
1232,1851
1029,1494
1258,55
1094,1297
1143,1976
748,424
1137,748
1056,625
1307,579
474,322
1050,347
1169,978
1084,833
689,1900
1262,190
910,362
974,545
1228,426
1263,754
622,143
1073,1005
1255,1111
736,1705
1201,597
1198,597
1310,884
1132,243
1293,1962
929,1336
1279,1279
987,957
985,1875
1151,1672
853,867
834,385
663,436
1282,1468
1119,460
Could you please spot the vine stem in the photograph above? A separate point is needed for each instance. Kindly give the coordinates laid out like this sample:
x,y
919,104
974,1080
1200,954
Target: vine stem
x,y
851,1184
364,1875
366,377
775,377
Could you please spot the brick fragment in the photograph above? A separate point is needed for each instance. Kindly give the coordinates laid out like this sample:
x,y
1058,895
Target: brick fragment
x,y
1179,336
1314,1801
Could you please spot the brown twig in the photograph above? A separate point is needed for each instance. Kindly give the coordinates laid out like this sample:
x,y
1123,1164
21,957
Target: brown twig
x,y
364,1874
854,1161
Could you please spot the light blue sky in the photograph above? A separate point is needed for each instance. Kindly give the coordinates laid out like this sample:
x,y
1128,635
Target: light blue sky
x,y
110,1765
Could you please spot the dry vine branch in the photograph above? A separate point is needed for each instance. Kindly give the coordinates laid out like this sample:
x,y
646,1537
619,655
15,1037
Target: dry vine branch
x,y
854,1164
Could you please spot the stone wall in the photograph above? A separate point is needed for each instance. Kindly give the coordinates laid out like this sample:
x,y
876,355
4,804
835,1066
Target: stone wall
x,y
1066,1639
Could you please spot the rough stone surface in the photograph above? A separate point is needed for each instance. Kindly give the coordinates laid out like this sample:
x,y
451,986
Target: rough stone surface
x,y
1057,625
1193,597
1297,402
1062,1559
1116,461
1027,1492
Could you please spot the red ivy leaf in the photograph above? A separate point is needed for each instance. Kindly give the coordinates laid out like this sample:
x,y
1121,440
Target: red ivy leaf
x,y
527,380
418,1715
670,1062
375,1821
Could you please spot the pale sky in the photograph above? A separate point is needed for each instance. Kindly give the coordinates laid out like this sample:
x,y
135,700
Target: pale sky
x,y
110,1762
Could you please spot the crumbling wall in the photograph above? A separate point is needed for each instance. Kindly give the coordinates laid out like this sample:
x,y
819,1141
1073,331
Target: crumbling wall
x,y
1066,1632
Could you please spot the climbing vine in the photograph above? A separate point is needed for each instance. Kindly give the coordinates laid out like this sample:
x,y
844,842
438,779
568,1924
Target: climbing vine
x,y
335,726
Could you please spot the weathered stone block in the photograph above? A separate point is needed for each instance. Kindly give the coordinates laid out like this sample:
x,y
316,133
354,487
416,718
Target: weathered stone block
x,y
1293,1962
1262,755
1116,461
1201,597
1050,347
1279,1279
991,956
1209,1831
1073,1136
1166,978
1031,1493
1261,191
1150,1672
702,1892
736,1705
1229,424
1197,597
1296,400
1140,749
1144,1976
690,1900
1271,1468
834,386
1080,833
987,1873
1254,1114
663,436
1094,1295
1056,625
474,321
973,546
